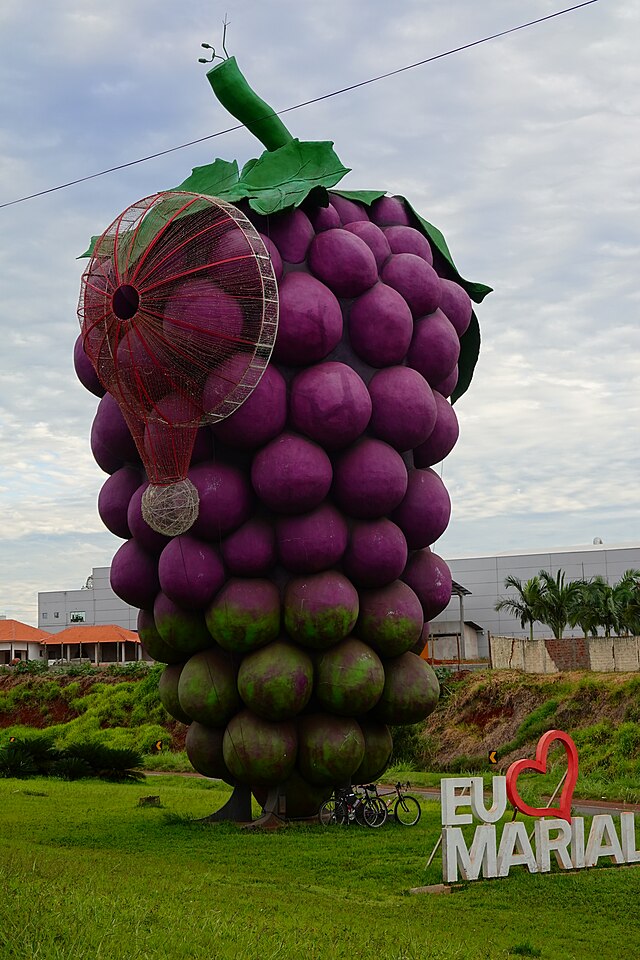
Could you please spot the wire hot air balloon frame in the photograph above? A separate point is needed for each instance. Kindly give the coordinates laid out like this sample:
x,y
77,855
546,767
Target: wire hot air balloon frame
x,y
178,313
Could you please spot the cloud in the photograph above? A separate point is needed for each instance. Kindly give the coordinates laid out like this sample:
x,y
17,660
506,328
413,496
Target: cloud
x,y
523,151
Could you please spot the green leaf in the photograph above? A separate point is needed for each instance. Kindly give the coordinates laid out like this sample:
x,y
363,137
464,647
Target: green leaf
x,y
477,291
89,251
248,166
361,196
284,178
469,352
213,179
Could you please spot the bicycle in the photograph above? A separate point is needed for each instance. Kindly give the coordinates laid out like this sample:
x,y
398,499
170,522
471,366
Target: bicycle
x,y
347,806
406,808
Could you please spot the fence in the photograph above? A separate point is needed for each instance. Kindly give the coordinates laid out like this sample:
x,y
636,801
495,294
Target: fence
x,y
603,654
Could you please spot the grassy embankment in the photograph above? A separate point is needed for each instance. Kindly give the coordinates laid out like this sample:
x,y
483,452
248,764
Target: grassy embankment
x,y
498,710
508,712
85,873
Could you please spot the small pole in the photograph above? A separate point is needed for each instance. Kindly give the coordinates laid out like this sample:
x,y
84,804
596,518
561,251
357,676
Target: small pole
x,y
553,796
434,851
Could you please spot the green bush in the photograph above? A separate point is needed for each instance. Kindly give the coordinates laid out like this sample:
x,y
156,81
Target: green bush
x,y
409,746
71,768
16,761
31,666
108,763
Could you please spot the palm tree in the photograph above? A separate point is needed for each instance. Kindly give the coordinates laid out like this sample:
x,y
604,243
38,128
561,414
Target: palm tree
x,y
626,595
527,604
604,605
585,609
557,600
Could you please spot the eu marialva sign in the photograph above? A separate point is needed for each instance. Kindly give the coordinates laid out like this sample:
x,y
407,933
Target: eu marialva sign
x,y
493,851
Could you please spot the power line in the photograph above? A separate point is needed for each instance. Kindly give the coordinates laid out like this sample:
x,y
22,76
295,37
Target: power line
x,y
304,103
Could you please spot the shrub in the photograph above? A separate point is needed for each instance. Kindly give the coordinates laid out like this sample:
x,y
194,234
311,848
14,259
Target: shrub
x,y
31,666
71,768
16,761
108,763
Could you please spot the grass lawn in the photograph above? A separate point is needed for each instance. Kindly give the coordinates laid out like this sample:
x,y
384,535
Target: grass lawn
x,y
85,873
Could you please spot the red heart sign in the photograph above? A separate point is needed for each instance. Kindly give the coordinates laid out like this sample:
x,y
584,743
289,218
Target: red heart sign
x,y
540,766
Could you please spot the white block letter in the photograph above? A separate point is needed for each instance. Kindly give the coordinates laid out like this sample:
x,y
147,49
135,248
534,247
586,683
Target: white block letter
x,y
603,841
577,842
559,844
628,836
450,800
515,849
482,854
499,801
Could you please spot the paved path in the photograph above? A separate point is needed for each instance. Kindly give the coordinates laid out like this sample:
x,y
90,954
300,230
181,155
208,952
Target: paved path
x,y
588,807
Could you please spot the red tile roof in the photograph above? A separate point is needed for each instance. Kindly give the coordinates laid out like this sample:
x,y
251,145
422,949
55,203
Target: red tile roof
x,y
11,630
100,634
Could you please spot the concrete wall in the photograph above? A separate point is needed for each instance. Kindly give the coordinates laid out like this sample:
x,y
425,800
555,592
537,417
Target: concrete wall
x,y
444,642
616,654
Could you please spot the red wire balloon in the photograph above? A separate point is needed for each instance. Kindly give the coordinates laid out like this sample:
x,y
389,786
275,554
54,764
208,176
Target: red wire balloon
x,y
178,311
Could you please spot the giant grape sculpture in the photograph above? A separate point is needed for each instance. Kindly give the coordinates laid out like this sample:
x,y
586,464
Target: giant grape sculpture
x,y
291,613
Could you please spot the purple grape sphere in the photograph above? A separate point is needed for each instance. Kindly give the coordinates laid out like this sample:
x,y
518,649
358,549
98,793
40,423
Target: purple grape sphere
x,y
374,238
134,576
330,748
291,474
415,280
85,370
424,514
320,609
114,497
404,409
343,262
261,417
430,578
250,551
442,438
391,619
245,614
377,553
310,323
190,571
380,326
331,404
435,348
226,499
259,752
370,479
207,688
311,542
410,693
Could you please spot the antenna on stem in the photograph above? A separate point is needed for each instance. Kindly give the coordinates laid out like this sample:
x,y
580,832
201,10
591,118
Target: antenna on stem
x,y
207,46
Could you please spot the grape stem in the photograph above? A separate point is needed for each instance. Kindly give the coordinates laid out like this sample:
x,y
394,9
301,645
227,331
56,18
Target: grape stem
x,y
234,93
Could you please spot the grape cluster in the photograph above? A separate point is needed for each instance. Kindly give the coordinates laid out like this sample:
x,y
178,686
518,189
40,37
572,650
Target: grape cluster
x,y
290,614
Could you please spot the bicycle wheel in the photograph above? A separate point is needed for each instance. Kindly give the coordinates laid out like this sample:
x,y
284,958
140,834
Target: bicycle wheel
x,y
333,813
374,812
407,811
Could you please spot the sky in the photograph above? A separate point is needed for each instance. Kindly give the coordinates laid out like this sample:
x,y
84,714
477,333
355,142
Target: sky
x,y
524,151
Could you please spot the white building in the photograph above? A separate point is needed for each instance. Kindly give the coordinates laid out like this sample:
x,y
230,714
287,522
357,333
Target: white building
x,y
479,580
19,641
95,604
484,576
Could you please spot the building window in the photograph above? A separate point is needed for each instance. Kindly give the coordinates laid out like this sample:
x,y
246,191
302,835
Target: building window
x,y
56,615
44,616
77,616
